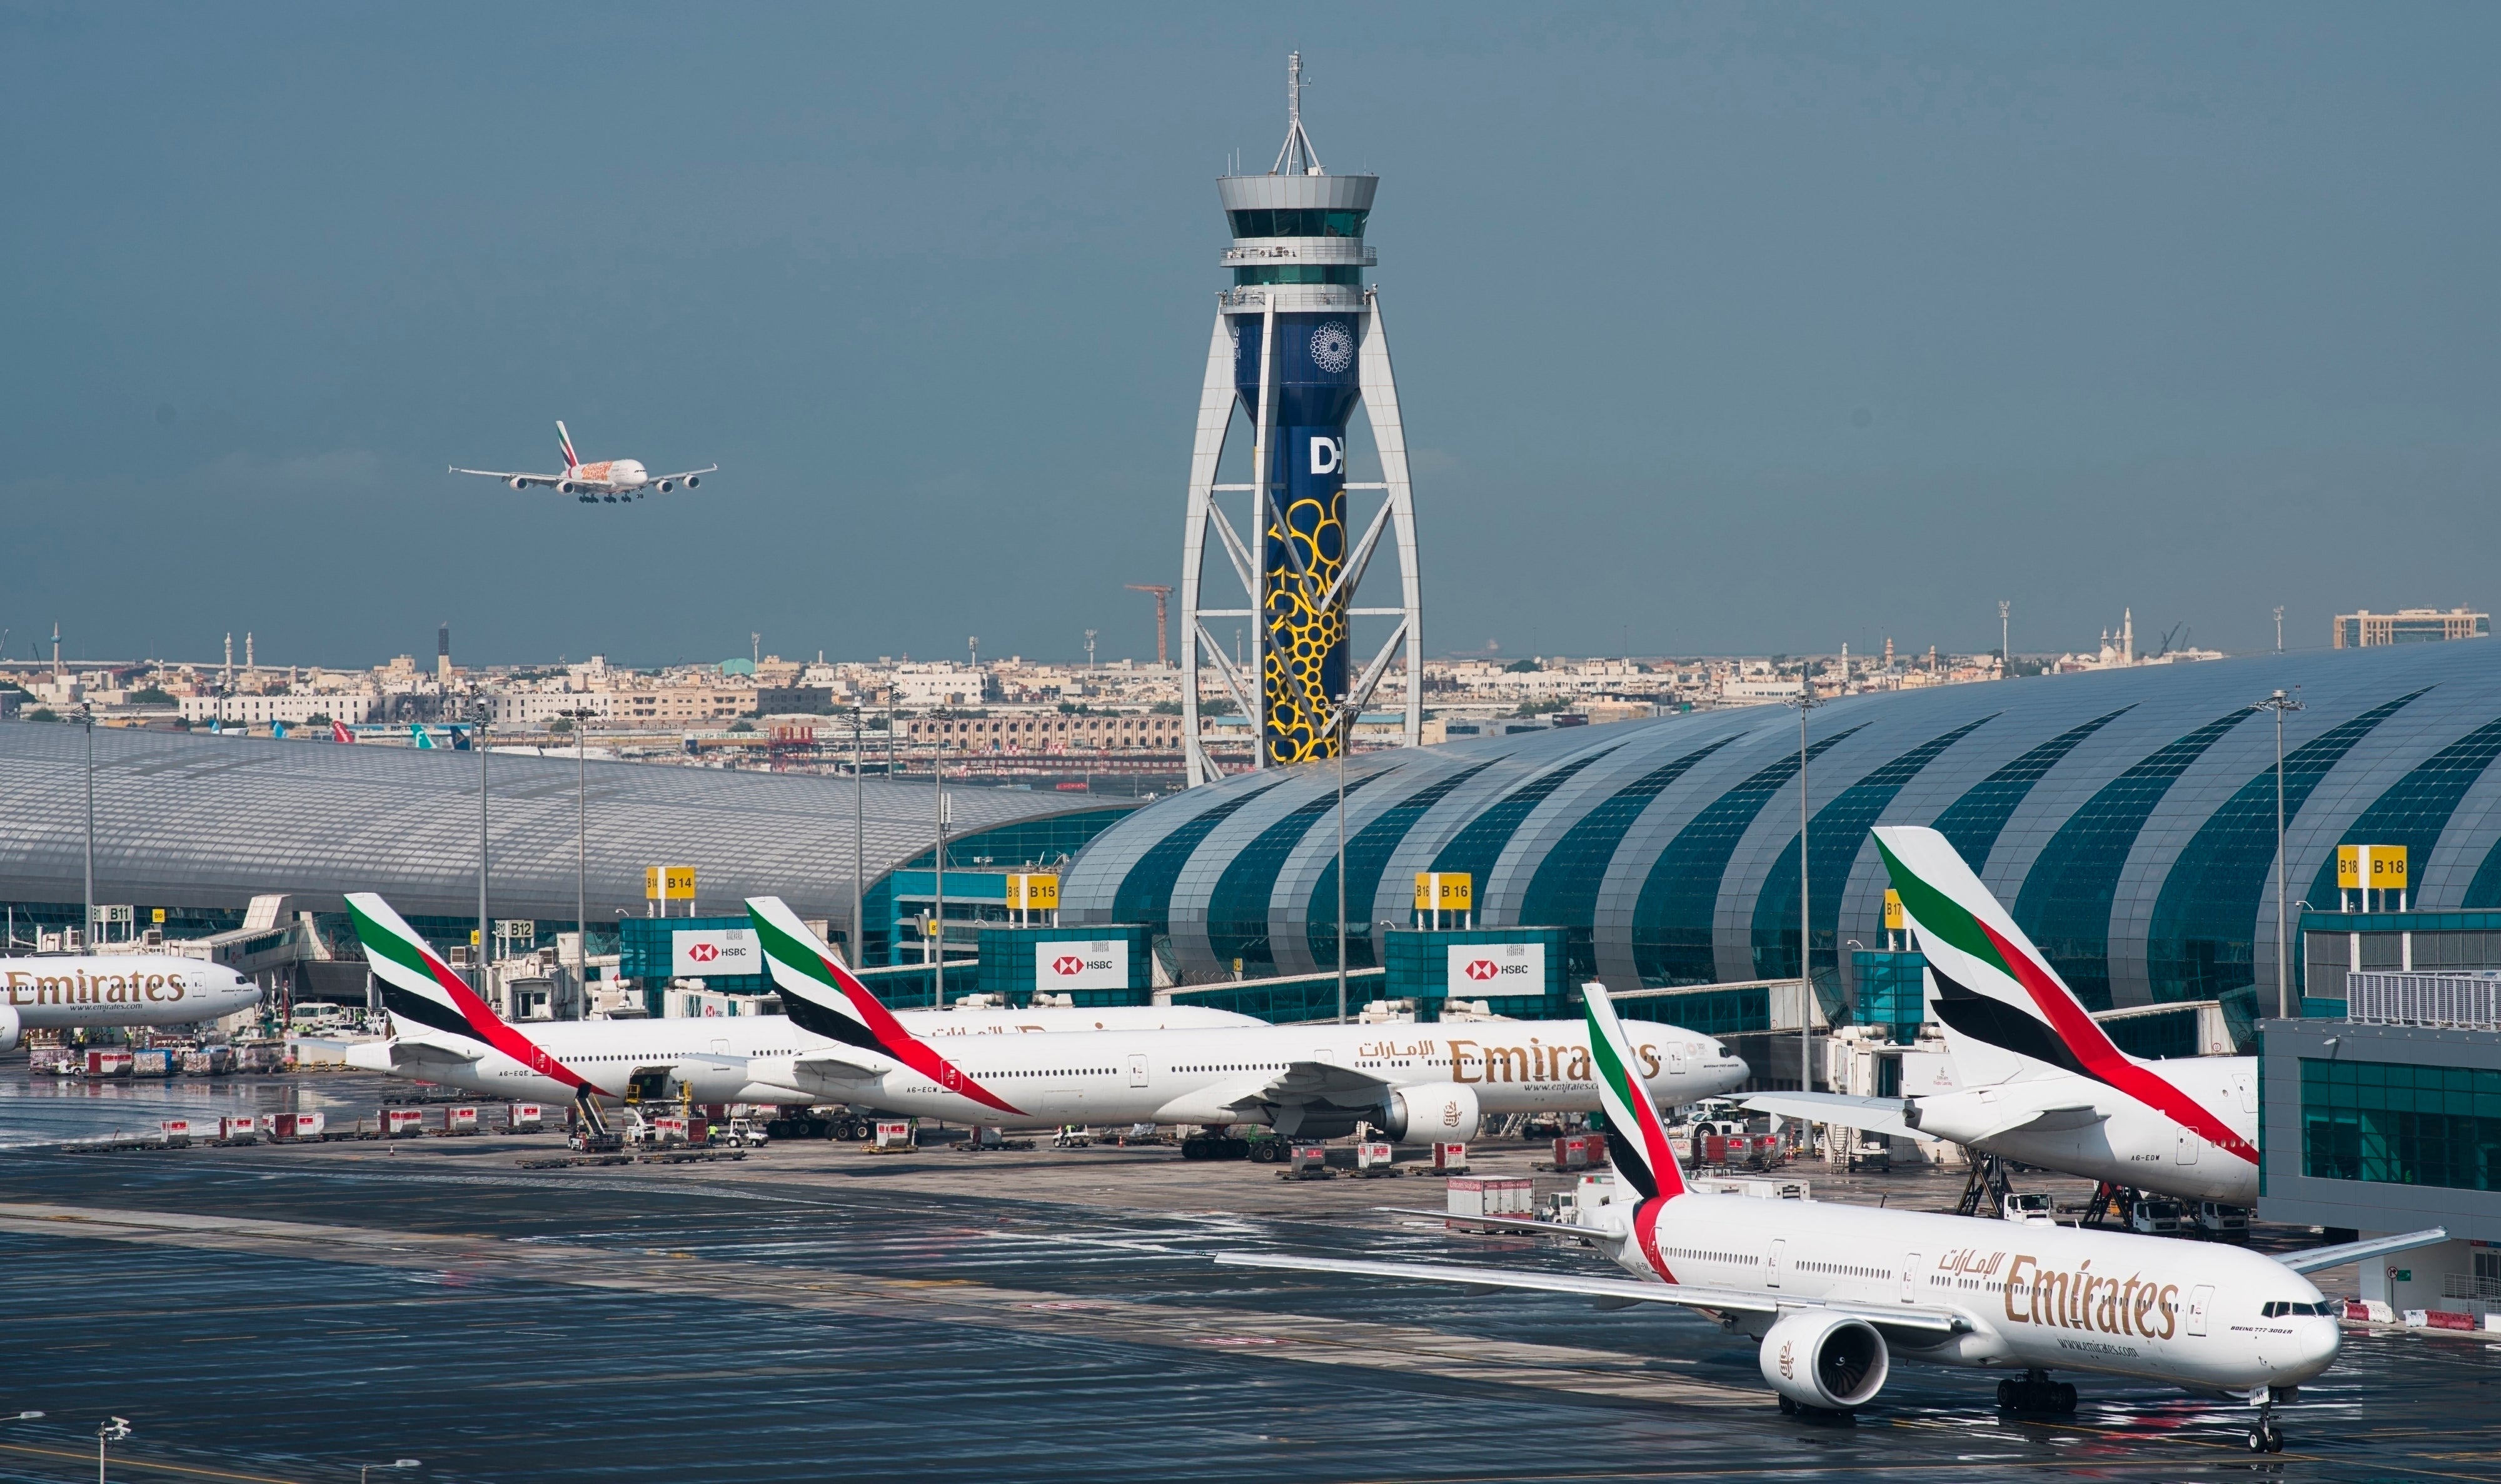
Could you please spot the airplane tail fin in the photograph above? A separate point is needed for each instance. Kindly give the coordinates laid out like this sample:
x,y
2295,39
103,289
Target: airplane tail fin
x,y
419,988
1636,1136
424,740
823,998
338,732
572,461
2005,1010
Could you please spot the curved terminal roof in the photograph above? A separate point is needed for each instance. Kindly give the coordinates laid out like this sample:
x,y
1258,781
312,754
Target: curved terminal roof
x,y
189,821
2126,816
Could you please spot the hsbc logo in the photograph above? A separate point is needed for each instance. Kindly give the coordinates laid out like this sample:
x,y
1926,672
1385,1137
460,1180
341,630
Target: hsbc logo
x,y
1095,965
1483,969
1067,963
1328,455
704,953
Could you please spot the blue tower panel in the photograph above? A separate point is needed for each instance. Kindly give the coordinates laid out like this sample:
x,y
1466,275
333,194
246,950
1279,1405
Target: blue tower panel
x,y
1312,372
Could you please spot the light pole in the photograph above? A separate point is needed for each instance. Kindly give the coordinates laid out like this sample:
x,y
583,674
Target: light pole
x,y
859,847
86,928
1805,703
2280,702
478,740
581,717
1340,857
113,1431
363,1470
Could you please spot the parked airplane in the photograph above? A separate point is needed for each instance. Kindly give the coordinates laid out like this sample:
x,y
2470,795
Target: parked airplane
x,y
608,479
2039,1080
442,1032
1832,1290
838,1045
1425,1081
67,991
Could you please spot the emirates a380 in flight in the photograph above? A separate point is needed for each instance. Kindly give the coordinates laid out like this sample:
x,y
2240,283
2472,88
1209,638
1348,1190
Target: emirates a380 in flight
x,y
610,480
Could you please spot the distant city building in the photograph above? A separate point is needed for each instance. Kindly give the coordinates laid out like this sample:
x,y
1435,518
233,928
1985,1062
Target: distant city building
x,y
2409,626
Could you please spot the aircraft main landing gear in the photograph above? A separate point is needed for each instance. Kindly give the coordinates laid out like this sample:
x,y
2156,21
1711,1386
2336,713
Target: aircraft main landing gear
x,y
2264,1435
2034,1392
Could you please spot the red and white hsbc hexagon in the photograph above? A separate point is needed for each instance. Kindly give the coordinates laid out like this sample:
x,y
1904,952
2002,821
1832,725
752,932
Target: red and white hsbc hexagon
x,y
1478,970
1082,964
714,952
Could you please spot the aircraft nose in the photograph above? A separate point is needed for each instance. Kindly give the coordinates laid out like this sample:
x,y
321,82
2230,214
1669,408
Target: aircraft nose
x,y
2320,1341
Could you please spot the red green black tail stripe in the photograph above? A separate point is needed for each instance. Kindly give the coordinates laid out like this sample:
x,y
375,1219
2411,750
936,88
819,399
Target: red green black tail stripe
x,y
1938,915
465,1014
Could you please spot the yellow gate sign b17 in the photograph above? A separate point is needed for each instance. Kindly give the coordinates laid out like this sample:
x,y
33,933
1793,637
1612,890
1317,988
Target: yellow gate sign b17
x,y
668,884
1892,910
2371,867
1445,891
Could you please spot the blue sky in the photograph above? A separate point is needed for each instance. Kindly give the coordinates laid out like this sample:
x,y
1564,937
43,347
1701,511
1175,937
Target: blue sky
x,y
1719,329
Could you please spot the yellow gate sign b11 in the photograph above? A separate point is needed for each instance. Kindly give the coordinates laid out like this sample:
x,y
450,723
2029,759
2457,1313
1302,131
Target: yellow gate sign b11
x,y
2370,868
1445,891
668,884
1033,892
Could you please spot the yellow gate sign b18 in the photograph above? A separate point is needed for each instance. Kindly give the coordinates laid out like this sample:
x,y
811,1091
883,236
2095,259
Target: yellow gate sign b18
x,y
2370,868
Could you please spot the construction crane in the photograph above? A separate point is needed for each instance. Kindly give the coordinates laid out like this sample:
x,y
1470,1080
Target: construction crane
x,y
1163,595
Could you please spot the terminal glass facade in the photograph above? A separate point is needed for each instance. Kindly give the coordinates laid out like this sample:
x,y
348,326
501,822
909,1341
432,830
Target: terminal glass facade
x,y
2399,1124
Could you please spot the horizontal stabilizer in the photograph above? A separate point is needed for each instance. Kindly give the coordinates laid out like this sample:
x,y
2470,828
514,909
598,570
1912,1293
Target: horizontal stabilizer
x,y
1868,1115
1509,1223
2317,1258
2048,1120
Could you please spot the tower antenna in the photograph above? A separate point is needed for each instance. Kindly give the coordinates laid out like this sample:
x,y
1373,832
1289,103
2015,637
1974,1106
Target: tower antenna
x,y
1298,157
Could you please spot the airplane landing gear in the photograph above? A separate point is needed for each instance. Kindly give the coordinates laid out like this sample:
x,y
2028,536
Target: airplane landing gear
x,y
2264,1435
2034,1392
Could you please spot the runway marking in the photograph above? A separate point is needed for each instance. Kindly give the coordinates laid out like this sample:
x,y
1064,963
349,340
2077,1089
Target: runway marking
x,y
127,1462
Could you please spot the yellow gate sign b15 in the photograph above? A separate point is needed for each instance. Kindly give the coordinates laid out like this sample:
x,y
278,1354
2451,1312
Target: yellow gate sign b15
x,y
1033,891
1445,891
668,884
2371,867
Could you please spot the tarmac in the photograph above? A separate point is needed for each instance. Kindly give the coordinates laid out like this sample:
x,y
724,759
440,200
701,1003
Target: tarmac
x,y
817,1311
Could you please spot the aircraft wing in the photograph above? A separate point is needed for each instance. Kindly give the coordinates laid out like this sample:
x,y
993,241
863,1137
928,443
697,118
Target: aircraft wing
x,y
2316,1258
1306,1083
547,479
686,473
1873,1116
1613,1293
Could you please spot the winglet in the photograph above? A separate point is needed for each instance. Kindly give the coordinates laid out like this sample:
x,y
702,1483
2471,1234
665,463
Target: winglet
x,y
564,439
823,998
420,987
1636,1137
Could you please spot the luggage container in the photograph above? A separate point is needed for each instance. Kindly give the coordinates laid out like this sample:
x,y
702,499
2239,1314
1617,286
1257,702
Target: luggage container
x,y
154,1062
668,1129
1305,1159
460,1118
699,1130
1472,1195
104,1063
294,1126
261,1058
177,1132
403,1122
238,1128
1579,1151
894,1134
1374,1154
1449,1159
523,1117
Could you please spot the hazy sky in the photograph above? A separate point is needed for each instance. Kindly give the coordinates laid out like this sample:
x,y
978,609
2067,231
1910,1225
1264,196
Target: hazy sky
x,y
1717,329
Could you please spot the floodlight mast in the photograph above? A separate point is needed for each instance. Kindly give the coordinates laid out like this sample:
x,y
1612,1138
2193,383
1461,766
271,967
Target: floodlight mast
x,y
1298,346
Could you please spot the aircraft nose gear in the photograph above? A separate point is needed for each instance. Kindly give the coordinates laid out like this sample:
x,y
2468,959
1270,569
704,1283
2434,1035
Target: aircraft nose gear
x,y
2264,1435
2034,1392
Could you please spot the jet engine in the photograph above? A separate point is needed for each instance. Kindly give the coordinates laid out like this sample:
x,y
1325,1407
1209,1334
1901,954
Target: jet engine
x,y
518,482
666,485
13,1027
693,480
564,486
1435,1112
1829,1361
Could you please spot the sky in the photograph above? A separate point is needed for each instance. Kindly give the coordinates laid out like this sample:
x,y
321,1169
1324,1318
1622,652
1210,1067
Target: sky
x,y
1719,329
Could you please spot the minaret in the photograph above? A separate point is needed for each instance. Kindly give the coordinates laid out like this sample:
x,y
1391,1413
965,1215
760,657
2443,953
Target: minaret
x,y
2127,635
249,663
443,653
229,680
1298,346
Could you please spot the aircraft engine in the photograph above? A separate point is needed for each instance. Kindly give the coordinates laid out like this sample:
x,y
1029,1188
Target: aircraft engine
x,y
564,486
13,1027
666,486
693,480
1830,1362
518,484
1435,1112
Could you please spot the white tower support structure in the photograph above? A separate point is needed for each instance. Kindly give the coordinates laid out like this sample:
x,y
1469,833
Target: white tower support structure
x,y
1298,344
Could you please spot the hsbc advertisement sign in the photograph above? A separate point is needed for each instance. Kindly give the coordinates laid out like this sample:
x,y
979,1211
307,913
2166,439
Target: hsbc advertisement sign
x,y
1082,964
702,954
1479,969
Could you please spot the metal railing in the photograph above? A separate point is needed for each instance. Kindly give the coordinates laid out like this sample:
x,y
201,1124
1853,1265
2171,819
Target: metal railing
x,y
2469,1001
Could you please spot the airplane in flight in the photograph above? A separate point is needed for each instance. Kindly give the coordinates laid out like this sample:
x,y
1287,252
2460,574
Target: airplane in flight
x,y
1831,1291
70,991
837,1044
2039,1082
610,480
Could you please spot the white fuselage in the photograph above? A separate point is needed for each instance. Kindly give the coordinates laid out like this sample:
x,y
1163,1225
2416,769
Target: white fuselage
x,y
66,991
2035,1296
2134,1144
612,476
1204,1076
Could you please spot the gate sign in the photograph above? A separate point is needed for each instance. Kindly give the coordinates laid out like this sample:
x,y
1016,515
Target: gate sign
x,y
1032,891
2371,867
1445,891
668,884
706,953
1082,964
1479,969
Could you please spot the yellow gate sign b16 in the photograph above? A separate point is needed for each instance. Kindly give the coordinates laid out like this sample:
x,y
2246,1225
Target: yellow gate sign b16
x,y
2370,868
1445,891
668,884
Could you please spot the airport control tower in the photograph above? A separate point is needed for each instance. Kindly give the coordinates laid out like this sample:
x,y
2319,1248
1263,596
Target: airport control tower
x,y
1298,347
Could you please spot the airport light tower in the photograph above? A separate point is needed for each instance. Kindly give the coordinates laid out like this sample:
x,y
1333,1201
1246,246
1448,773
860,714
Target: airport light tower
x,y
1298,347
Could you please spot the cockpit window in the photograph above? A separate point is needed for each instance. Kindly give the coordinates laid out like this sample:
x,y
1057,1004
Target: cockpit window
x,y
2280,1308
